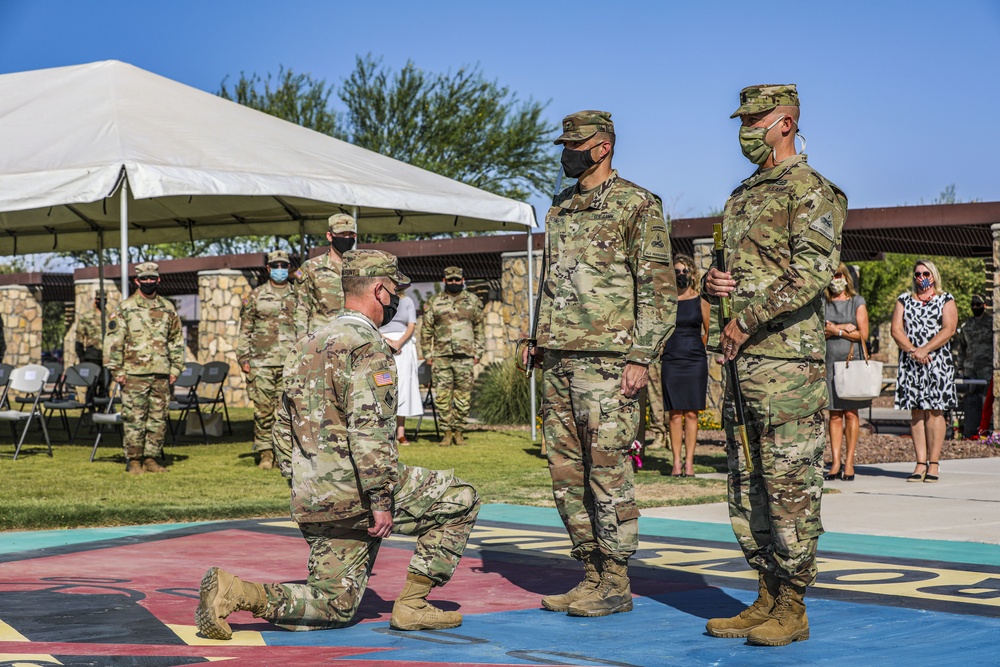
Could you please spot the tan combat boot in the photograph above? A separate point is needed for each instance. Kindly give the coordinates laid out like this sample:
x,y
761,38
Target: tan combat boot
x,y
741,624
591,578
223,593
611,596
449,436
134,467
659,441
459,439
412,611
788,622
149,464
266,460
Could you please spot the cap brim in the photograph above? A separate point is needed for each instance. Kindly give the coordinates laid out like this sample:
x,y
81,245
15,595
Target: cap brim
x,y
573,136
400,279
747,109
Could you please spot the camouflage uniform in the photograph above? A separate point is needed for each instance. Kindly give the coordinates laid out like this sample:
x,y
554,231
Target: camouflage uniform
x,y
318,286
89,344
144,344
974,359
657,428
338,417
267,334
452,335
608,298
782,232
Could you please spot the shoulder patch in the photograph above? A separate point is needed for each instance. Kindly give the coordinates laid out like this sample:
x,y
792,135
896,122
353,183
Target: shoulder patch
x,y
382,378
299,274
246,301
112,325
823,225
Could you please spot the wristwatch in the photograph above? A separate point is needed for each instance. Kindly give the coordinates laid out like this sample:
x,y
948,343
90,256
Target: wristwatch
x,y
840,333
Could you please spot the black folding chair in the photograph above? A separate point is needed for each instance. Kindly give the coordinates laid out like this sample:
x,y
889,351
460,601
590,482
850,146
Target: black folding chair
x,y
425,377
107,417
5,371
186,401
81,376
30,381
213,383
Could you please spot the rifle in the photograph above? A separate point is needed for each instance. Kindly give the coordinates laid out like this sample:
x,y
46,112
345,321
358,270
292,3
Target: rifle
x,y
734,374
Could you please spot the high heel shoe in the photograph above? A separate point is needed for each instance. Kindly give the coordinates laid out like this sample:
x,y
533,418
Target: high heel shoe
x,y
919,476
930,479
845,477
833,475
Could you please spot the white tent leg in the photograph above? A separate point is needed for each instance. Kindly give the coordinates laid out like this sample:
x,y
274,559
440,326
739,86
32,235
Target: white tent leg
x,y
531,320
124,236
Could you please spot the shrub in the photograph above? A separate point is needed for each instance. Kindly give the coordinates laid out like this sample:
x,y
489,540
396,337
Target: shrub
x,y
501,394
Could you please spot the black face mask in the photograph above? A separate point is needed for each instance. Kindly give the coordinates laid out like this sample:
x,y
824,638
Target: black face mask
x,y
341,244
453,288
574,163
978,310
149,289
389,312
683,280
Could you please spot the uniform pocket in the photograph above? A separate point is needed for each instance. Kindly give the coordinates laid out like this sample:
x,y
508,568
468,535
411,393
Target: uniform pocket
x,y
619,425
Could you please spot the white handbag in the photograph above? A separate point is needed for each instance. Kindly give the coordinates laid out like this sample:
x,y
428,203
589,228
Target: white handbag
x,y
859,381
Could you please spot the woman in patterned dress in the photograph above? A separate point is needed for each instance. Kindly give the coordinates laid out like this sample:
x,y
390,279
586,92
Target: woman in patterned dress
x,y
923,323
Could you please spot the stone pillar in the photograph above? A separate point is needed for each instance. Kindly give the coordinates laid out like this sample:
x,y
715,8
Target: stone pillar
x,y
704,253
21,309
86,291
496,333
220,296
996,324
514,323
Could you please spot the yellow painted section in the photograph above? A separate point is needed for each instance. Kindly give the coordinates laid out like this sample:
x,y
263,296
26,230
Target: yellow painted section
x,y
189,635
27,659
9,634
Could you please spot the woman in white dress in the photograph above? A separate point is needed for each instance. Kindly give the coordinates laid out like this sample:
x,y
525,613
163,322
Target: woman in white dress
x,y
399,334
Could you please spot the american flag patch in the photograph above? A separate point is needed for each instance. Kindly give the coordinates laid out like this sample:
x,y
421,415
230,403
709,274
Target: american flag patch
x,y
382,379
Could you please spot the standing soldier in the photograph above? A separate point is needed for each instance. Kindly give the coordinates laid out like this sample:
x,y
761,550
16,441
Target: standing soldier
x,y
145,354
349,490
267,334
453,341
89,342
782,230
317,287
654,397
608,303
974,360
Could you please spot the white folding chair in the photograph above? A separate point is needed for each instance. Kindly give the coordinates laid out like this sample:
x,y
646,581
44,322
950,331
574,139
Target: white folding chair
x,y
30,381
107,417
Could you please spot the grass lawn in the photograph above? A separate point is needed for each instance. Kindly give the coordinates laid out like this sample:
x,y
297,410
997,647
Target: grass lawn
x,y
220,480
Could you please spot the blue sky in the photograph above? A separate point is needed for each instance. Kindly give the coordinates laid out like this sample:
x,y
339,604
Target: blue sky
x,y
900,99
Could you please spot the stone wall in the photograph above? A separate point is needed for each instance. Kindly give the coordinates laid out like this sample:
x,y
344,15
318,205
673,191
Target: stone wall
x,y
86,291
513,322
220,294
21,309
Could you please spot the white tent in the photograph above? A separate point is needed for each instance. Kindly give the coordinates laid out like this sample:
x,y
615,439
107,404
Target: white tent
x,y
196,167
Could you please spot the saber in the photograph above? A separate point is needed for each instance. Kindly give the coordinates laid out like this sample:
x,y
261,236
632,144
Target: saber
x,y
734,374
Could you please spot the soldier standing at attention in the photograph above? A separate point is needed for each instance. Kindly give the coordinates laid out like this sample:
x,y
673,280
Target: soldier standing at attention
x,y
782,230
608,303
453,340
317,287
145,354
89,342
267,334
974,360
348,488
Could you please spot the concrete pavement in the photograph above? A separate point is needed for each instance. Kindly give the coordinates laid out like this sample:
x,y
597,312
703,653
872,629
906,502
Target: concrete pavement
x,y
964,506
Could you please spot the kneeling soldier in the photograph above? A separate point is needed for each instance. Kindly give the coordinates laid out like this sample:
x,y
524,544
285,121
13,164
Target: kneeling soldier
x,y
335,441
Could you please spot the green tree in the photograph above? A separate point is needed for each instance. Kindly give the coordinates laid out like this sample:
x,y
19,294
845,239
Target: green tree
x,y
297,98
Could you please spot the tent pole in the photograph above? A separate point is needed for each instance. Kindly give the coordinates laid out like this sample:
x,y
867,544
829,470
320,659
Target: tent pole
x,y
531,319
124,235
100,282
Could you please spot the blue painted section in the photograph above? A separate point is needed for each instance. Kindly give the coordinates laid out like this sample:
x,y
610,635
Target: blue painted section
x,y
870,545
670,630
15,541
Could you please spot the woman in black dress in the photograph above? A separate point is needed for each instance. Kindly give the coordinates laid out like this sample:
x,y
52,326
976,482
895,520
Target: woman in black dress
x,y
685,365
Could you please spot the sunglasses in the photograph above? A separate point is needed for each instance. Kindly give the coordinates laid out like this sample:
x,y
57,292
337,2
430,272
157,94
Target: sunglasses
x,y
838,275
682,272
921,274
279,265
148,280
453,280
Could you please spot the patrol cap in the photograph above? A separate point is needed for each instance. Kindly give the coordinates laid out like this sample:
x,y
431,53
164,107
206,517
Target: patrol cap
x,y
372,264
147,270
585,124
342,222
452,272
977,300
277,256
766,96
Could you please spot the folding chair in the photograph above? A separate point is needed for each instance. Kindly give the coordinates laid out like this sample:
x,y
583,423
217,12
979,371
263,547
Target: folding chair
x,y
53,388
425,377
107,417
81,376
29,380
215,373
5,371
186,402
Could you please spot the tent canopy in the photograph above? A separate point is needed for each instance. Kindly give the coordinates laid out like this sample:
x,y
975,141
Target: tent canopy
x,y
198,167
